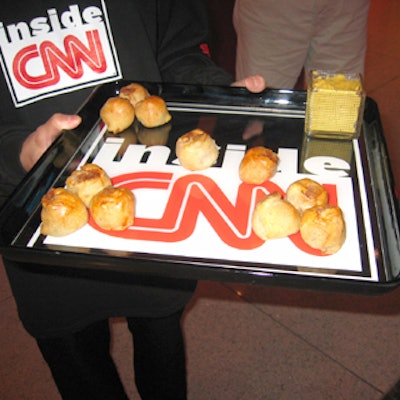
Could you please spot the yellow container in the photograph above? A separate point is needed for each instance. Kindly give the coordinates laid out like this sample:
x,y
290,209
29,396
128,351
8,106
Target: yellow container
x,y
335,105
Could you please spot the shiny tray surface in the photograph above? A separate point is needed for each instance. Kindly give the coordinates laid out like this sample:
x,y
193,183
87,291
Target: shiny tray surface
x,y
197,225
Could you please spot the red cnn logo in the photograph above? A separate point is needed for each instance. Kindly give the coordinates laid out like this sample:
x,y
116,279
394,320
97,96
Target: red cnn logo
x,y
195,194
70,60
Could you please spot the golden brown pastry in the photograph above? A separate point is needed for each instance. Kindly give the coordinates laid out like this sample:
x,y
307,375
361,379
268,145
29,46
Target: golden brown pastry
x,y
87,181
258,165
152,112
134,92
118,114
275,217
196,150
306,193
113,208
62,213
323,228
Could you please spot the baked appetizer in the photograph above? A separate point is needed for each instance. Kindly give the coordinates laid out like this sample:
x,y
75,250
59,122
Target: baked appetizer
x,y
134,92
62,213
258,165
275,217
323,228
306,193
152,112
113,208
196,150
118,114
87,181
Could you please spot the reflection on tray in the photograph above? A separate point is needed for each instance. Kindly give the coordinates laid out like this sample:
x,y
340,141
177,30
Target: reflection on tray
x,y
337,152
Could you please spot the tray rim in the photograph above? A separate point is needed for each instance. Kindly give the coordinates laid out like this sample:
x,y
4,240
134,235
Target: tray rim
x,y
265,102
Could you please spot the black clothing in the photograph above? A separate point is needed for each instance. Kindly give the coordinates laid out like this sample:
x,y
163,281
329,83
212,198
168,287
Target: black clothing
x,y
56,305
83,368
41,41
154,41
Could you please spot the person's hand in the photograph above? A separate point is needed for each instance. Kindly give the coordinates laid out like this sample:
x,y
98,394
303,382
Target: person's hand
x,y
38,141
255,83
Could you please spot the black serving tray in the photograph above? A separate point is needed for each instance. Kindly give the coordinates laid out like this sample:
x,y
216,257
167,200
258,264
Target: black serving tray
x,y
237,120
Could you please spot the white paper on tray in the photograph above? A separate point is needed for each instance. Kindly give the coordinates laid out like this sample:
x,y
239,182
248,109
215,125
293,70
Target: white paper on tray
x,y
207,214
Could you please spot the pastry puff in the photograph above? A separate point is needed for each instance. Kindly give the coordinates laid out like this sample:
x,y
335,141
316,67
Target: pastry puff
x,y
62,213
196,150
113,208
87,181
258,165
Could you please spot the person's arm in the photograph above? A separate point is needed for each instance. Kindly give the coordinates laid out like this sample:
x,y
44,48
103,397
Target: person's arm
x,y
182,47
20,150
38,141
182,44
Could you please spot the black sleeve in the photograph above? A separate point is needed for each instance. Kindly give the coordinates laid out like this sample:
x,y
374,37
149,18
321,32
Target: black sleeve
x,y
11,170
182,44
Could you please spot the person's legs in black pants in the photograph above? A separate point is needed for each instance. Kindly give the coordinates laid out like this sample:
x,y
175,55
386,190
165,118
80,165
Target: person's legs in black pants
x,y
159,357
82,366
